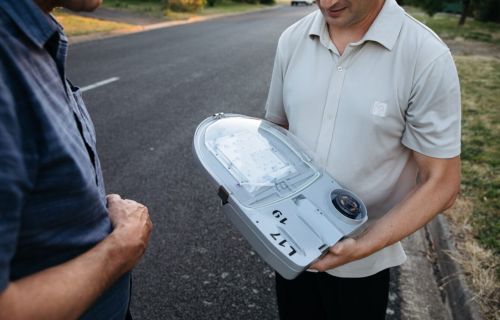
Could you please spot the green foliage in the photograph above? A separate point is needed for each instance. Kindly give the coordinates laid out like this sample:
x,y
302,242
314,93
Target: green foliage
x,y
488,10
229,2
247,1
185,5
211,3
431,7
266,2
484,10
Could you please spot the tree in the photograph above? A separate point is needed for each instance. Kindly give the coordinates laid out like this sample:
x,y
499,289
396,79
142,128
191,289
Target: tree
x,y
465,12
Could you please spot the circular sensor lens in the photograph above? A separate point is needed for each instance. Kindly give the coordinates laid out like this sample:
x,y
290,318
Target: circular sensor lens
x,y
347,205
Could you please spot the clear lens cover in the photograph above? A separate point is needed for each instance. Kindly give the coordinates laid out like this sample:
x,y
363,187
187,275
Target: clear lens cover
x,y
251,159
256,160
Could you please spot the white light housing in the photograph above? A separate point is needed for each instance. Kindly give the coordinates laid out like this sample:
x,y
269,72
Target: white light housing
x,y
289,210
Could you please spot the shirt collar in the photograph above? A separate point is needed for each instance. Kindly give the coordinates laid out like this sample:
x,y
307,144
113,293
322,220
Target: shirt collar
x,y
38,26
319,29
384,29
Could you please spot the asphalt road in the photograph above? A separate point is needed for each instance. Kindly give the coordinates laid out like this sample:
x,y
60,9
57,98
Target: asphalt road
x,y
197,265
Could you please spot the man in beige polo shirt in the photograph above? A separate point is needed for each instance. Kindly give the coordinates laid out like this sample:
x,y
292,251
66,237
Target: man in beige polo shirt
x,y
375,95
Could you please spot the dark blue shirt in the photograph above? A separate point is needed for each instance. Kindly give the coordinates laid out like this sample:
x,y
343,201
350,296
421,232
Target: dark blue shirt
x,y
52,199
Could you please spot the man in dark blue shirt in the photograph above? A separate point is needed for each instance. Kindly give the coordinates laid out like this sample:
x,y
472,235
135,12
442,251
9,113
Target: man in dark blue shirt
x,y
66,249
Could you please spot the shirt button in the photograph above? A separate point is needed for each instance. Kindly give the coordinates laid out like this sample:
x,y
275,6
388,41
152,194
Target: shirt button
x,y
340,69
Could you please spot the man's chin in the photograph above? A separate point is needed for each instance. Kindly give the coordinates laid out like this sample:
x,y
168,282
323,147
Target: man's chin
x,y
337,22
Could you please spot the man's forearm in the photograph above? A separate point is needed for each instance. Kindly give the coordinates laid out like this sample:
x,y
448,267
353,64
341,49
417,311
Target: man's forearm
x,y
67,290
419,208
435,193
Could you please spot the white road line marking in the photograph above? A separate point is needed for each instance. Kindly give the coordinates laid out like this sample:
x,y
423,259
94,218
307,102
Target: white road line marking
x,y
99,84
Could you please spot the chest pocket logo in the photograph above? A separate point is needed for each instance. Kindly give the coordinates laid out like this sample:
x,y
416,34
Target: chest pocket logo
x,y
379,109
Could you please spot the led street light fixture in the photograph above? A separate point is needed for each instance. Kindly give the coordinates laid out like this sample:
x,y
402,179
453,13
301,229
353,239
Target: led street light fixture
x,y
290,210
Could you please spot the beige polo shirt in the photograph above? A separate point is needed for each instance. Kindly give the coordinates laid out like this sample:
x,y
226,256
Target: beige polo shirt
x,y
364,112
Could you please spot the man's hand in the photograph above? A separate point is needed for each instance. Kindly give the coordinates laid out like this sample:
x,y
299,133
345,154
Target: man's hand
x,y
65,291
436,190
132,227
341,253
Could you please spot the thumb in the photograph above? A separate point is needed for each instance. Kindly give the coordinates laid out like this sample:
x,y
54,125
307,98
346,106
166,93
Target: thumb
x,y
113,197
342,246
110,198
338,248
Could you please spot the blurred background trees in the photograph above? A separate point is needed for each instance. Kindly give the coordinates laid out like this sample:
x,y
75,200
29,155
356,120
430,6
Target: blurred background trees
x,y
483,10
185,5
197,5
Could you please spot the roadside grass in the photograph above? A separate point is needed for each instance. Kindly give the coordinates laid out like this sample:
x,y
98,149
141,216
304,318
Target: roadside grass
x,y
479,264
224,7
480,85
446,25
157,9
475,219
148,7
75,25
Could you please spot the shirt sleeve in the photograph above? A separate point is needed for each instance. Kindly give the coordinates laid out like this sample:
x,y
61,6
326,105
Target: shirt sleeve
x,y
433,115
14,176
275,110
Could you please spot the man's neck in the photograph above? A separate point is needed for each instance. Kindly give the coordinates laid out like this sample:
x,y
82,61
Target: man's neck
x,y
342,36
